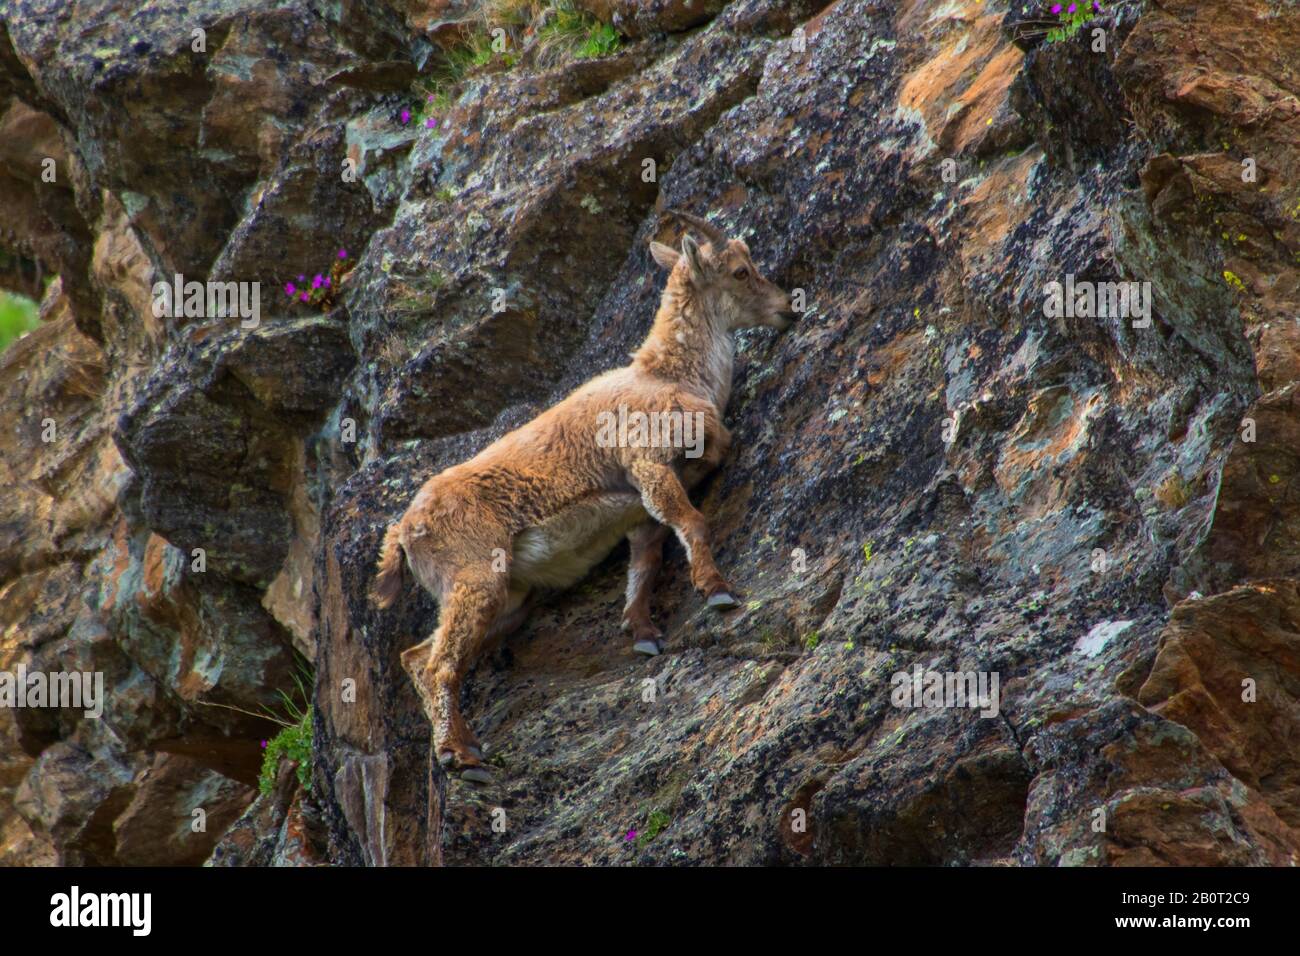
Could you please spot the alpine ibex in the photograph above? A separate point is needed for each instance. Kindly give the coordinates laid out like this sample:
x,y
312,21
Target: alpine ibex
x,y
540,506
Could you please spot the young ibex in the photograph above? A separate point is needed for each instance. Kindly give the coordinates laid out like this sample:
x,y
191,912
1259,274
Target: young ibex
x,y
540,506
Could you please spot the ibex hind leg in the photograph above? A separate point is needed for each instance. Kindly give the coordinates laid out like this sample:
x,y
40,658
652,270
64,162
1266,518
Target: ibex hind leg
x,y
438,666
647,553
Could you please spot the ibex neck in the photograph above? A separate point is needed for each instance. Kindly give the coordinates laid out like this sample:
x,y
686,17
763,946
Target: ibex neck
x,y
689,344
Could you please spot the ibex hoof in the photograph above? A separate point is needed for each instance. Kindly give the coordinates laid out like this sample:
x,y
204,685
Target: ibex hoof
x,y
649,647
722,601
476,775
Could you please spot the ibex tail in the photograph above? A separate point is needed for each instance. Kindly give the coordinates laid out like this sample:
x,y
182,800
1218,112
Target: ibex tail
x,y
388,585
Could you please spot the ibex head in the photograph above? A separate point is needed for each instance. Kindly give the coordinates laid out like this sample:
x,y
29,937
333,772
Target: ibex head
x,y
724,276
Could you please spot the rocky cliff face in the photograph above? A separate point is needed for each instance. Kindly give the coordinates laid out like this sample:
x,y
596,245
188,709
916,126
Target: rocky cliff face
x,y
930,471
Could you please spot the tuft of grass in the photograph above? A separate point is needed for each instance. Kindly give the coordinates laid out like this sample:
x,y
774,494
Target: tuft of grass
x,y
437,91
1174,492
414,294
573,32
554,28
18,316
511,14
291,743
294,741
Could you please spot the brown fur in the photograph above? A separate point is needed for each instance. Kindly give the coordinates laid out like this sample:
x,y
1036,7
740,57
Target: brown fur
x,y
388,585
543,504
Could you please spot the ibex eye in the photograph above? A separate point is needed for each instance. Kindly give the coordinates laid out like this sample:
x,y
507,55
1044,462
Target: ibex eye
x,y
741,273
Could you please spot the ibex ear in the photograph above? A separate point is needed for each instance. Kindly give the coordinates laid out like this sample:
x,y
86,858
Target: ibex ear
x,y
694,258
666,256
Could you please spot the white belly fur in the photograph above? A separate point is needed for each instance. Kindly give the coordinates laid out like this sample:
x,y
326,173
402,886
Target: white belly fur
x,y
558,552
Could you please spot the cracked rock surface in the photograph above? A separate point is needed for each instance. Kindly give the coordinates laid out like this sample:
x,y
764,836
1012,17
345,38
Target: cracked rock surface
x,y
928,471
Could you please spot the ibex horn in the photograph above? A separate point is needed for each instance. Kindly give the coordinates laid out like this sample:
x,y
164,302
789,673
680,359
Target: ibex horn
x,y
705,228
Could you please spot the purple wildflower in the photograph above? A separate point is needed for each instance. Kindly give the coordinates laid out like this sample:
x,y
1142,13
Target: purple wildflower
x,y
406,116
289,288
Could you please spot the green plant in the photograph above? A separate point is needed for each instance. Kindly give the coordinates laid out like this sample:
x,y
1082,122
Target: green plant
x,y
18,316
602,40
577,33
291,743
294,741
654,825
1072,18
466,57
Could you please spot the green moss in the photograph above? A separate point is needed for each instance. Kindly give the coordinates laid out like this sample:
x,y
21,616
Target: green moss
x,y
18,316
654,825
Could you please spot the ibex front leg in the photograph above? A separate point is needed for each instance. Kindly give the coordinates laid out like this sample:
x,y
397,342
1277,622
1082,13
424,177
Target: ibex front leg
x,y
665,499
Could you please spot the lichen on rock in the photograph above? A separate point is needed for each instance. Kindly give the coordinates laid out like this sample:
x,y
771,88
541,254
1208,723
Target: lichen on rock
x,y
930,473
